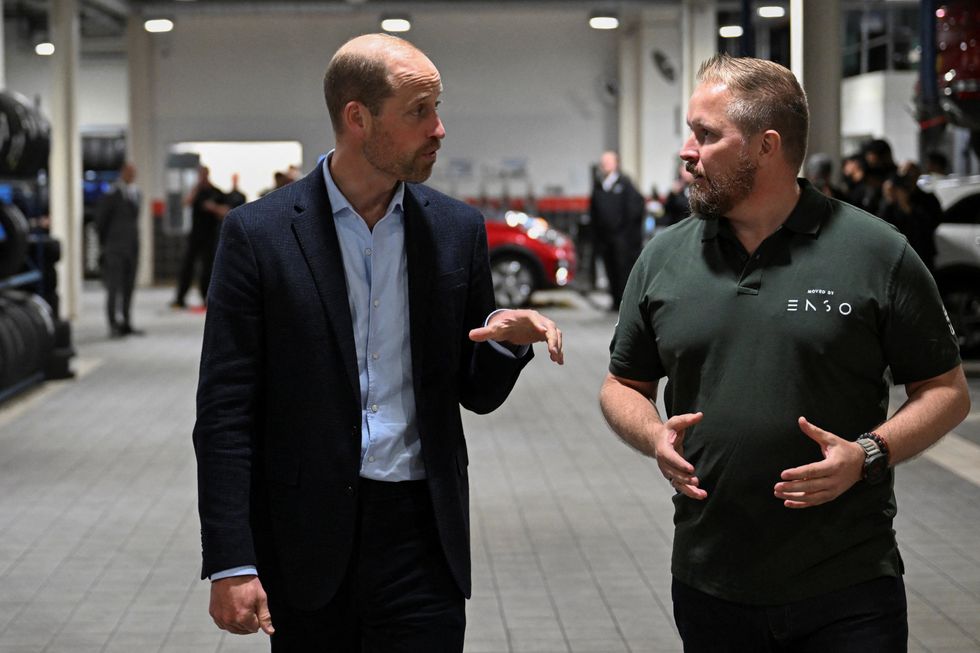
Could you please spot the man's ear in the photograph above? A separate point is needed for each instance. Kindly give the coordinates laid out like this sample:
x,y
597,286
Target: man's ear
x,y
770,144
356,117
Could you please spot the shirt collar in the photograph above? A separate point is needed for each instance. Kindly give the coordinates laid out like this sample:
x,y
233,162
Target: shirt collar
x,y
339,203
809,214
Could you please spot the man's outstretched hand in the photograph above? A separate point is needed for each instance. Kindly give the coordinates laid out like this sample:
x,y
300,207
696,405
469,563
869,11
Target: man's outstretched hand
x,y
522,327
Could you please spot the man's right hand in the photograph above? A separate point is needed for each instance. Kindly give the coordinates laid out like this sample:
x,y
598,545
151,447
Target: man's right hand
x,y
239,605
669,450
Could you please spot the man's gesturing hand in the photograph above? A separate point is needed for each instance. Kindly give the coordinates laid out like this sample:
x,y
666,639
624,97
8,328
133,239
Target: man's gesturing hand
x,y
239,605
669,449
816,483
522,327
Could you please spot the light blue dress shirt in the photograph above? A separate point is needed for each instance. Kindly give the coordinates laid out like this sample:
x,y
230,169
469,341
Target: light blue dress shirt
x,y
376,269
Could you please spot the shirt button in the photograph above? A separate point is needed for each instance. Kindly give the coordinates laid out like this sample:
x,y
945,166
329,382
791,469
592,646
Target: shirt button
x,y
370,459
374,408
377,303
375,356
367,252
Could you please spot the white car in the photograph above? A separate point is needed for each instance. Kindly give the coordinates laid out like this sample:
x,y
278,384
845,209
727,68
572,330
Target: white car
x,y
957,265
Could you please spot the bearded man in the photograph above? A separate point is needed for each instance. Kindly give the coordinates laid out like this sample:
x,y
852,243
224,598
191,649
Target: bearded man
x,y
774,317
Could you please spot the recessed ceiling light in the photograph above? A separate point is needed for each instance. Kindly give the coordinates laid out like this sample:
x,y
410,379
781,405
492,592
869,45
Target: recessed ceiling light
x,y
396,24
730,31
44,49
603,21
771,12
158,25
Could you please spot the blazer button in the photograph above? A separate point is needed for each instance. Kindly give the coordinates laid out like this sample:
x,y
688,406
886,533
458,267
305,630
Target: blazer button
x,y
349,490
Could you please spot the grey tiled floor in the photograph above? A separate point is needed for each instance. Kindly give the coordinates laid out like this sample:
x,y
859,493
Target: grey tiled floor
x,y
571,530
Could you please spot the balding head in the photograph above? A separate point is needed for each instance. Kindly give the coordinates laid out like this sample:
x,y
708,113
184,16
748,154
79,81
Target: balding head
x,y
609,162
365,70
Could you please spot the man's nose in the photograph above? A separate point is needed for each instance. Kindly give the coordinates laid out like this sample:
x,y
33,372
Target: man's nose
x,y
689,152
440,130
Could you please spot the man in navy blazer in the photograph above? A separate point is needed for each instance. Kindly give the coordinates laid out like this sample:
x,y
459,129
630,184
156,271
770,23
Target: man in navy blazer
x,y
350,314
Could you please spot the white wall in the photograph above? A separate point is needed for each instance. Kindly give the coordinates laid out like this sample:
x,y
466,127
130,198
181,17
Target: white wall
x,y
518,85
878,105
102,84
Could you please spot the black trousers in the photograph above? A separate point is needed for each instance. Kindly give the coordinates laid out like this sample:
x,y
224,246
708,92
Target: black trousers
x,y
869,617
398,595
119,277
199,249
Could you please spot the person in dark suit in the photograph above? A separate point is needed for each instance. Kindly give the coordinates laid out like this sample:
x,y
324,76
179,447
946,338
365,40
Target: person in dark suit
x,y
207,211
350,315
117,223
616,211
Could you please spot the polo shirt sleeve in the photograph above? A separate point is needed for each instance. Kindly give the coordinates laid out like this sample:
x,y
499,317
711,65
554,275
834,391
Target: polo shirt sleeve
x,y
633,350
918,339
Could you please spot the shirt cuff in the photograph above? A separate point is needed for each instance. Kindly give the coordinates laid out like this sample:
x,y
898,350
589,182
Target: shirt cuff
x,y
514,351
247,570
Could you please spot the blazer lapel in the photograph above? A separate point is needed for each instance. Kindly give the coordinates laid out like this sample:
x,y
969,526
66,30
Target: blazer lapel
x,y
316,233
420,253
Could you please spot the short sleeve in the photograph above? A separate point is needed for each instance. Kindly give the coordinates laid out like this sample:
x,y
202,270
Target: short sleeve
x,y
633,351
918,339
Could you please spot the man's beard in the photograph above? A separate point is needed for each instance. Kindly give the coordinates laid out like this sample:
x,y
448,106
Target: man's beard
x,y
716,196
410,167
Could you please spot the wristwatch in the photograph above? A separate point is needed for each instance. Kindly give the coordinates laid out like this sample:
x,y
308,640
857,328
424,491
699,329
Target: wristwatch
x,y
875,457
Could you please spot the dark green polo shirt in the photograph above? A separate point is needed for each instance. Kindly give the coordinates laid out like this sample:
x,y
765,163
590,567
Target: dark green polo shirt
x,y
805,326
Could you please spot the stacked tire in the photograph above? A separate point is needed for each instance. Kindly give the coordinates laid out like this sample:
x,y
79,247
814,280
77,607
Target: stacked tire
x,y
27,337
25,137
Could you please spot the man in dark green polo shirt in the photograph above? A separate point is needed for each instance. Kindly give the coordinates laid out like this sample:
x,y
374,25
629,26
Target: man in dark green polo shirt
x,y
775,314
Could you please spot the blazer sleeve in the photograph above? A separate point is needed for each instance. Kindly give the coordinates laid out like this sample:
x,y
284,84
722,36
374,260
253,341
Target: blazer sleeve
x,y
225,431
487,375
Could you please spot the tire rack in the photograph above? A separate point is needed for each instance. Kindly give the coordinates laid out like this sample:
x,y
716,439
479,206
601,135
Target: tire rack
x,y
34,344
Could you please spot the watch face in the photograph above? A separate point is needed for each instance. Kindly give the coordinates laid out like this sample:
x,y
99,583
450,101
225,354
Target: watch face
x,y
875,468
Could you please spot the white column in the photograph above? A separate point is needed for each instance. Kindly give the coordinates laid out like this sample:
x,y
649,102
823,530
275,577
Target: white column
x,y
700,37
3,58
815,39
140,136
630,100
65,163
651,119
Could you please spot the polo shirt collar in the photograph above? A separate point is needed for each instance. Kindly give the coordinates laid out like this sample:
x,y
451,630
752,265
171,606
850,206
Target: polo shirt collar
x,y
810,212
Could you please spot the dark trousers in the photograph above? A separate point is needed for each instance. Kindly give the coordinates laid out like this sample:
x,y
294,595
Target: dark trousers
x,y
198,250
870,617
119,277
398,595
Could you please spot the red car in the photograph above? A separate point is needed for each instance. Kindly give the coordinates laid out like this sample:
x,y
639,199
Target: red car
x,y
527,254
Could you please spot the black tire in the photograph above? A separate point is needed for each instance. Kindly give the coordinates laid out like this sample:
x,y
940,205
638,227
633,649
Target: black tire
x,y
515,278
16,367
8,351
13,248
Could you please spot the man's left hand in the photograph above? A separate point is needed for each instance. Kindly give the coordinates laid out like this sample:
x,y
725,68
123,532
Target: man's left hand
x,y
817,483
522,327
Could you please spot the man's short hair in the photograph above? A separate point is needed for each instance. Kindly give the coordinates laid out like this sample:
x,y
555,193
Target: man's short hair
x,y
765,96
354,76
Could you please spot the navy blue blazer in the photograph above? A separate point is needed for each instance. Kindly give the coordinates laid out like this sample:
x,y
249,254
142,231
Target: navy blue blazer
x,y
278,431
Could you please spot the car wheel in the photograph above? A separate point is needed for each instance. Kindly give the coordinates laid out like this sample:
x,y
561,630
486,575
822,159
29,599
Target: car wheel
x,y
962,304
513,280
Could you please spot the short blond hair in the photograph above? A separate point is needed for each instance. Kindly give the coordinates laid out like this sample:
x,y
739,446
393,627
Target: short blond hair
x,y
765,96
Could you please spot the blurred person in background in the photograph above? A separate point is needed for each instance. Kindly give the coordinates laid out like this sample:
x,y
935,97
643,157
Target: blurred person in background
x,y
207,211
913,211
117,222
616,211
677,204
820,173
